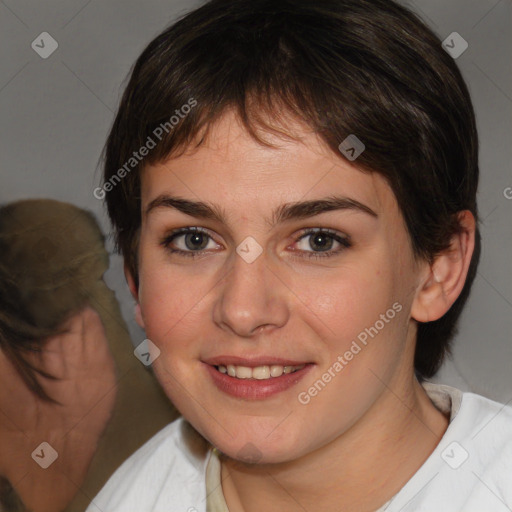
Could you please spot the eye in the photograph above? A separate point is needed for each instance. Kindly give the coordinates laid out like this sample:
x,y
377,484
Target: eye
x,y
322,241
190,242
194,242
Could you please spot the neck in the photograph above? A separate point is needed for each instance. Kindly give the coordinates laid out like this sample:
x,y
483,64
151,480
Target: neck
x,y
360,470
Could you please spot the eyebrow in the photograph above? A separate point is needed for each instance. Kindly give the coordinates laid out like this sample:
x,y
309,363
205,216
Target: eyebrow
x,y
283,213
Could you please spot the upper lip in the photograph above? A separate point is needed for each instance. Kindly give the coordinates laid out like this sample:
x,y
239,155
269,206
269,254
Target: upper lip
x,y
252,362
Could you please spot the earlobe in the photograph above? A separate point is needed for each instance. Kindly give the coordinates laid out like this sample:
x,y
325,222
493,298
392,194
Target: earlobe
x,y
445,278
135,294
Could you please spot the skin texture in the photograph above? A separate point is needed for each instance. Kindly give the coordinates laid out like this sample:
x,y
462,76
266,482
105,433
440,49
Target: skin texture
x,y
366,433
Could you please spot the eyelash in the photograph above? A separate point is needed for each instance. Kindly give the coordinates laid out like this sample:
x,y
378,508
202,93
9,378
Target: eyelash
x,y
343,240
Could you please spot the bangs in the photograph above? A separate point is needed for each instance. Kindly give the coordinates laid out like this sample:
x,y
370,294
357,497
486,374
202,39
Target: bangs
x,y
369,69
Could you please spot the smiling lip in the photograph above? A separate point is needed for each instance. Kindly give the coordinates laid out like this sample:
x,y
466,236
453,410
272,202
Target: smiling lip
x,y
254,389
251,361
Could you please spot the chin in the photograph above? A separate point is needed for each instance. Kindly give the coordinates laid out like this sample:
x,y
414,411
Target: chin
x,y
258,447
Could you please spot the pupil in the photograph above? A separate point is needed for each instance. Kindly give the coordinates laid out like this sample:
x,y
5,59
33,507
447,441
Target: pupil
x,y
321,242
194,239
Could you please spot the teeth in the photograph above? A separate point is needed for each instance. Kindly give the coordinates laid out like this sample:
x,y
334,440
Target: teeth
x,y
258,372
276,370
243,372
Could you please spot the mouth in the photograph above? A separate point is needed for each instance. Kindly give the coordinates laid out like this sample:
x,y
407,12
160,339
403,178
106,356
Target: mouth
x,y
263,372
255,379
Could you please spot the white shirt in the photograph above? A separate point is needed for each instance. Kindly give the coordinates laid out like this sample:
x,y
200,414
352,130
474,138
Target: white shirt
x,y
469,471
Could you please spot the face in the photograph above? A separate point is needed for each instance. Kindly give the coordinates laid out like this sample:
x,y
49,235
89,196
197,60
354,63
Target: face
x,y
277,326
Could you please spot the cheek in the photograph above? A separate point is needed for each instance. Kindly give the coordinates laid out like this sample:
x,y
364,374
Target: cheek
x,y
361,323
171,305
171,309
342,306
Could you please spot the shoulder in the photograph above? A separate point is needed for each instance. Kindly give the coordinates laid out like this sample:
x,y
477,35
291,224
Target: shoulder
x,y
471,468
170,465
471,414
481,430
486,419
487,427
477,455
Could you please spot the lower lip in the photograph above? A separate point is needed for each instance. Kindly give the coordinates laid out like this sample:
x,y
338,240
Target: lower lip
x,y
254,389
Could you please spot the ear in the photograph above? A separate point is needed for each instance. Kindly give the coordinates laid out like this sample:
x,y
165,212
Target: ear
x,y
446,276
135,294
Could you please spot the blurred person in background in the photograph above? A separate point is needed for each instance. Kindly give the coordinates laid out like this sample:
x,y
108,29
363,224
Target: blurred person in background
x,y
68,376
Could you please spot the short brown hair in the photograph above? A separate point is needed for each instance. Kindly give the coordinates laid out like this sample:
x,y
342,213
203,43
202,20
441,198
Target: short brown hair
x,y
365,67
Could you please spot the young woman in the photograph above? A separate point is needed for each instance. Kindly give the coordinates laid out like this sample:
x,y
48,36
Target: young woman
x,y
293,188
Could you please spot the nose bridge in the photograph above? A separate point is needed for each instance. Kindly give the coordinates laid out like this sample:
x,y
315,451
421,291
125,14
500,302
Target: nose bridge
x,y
249,296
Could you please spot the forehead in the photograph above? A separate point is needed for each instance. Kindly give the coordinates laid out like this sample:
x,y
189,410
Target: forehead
x,y
231,168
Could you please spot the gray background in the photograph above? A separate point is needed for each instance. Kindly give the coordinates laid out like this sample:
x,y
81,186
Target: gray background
x,y
56,112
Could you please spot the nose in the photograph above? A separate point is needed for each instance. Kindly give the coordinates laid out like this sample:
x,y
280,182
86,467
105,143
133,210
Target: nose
x,y
251,298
